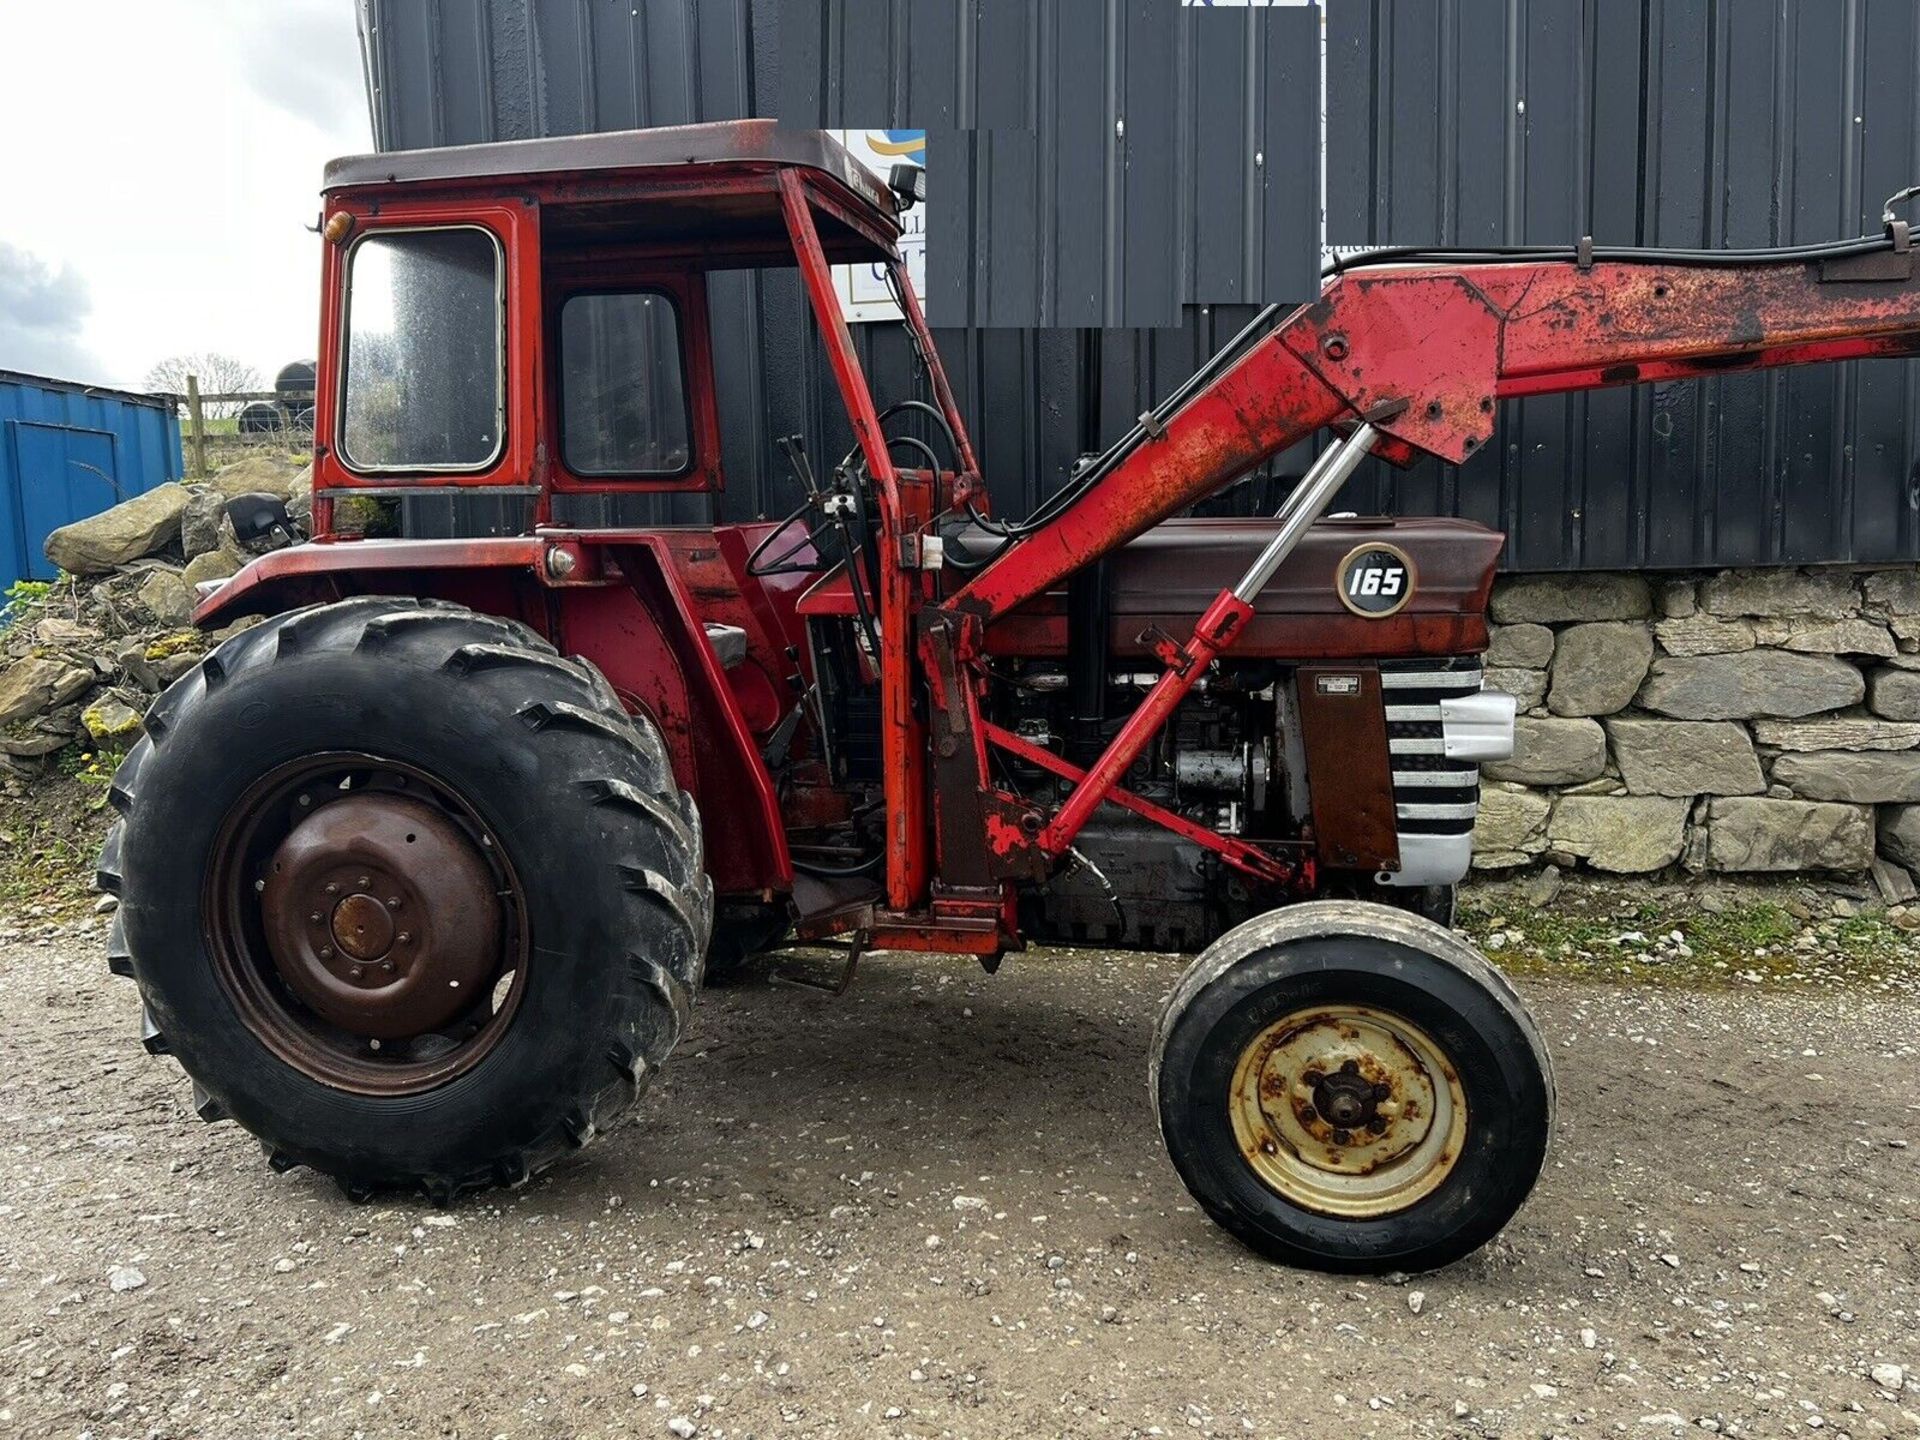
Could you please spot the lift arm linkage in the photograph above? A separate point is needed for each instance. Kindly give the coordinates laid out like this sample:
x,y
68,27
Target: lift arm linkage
x,y
1424,353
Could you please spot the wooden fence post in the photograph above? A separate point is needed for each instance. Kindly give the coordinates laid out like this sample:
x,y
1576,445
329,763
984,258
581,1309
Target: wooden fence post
x,y
197,427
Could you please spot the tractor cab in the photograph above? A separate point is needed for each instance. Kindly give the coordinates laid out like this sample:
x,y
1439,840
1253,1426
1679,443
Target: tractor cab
x,y
528,320
526,325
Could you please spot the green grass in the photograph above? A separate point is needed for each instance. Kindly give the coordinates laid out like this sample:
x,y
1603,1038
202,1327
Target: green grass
x,y
50,839
1757,943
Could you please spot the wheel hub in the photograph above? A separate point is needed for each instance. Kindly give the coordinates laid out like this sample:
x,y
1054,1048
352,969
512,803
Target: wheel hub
x,y
1347,1101
362,928
1347,1110
381,915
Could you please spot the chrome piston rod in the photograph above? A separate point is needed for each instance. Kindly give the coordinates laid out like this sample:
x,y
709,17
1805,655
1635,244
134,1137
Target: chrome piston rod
x,y
1306,504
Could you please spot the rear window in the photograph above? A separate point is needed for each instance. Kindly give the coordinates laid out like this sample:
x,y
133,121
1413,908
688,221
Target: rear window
x,y
424,375
623,400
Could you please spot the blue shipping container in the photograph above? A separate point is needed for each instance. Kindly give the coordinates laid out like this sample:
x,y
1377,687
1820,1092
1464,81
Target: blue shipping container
x,y
68,451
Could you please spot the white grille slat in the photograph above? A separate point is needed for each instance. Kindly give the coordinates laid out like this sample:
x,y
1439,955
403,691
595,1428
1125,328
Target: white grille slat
x,y
1436,779
1459,680
1438,812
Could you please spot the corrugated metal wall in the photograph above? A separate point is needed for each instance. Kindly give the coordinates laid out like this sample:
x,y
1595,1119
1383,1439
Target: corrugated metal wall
x,y
67,451
1102,164
1671,121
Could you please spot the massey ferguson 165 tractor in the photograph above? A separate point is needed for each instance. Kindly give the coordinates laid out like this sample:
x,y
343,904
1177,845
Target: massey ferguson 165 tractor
x,y
421,874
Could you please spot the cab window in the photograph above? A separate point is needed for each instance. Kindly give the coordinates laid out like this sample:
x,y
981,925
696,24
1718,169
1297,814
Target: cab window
x,y
623,400
424,373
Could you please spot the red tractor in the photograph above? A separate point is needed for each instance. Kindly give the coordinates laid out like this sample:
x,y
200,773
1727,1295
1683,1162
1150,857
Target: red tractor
x,y
421,874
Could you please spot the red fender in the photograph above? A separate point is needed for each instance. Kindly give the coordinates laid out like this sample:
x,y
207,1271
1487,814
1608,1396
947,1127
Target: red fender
x,y
621,606
646,638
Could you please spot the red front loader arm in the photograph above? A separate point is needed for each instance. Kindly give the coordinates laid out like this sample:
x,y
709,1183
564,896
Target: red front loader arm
x,y
1425,352
1413,357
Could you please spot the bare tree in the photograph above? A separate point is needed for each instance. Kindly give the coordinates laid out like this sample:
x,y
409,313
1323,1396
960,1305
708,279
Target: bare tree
x,y
218,374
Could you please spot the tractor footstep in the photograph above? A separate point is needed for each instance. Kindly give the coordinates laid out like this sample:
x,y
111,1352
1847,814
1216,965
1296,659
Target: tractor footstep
x,y
849,951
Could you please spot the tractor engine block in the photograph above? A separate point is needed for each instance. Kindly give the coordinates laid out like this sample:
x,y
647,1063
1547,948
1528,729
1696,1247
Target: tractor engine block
x,y
1235,759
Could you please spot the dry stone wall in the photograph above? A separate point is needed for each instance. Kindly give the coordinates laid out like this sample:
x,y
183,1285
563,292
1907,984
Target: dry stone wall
x,y
1741,722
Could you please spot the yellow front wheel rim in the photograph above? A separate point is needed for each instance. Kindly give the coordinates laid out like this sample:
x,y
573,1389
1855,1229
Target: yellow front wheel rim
x,y
1348,1111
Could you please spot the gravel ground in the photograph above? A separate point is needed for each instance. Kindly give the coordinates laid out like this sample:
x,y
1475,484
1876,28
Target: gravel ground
x,y
939,1207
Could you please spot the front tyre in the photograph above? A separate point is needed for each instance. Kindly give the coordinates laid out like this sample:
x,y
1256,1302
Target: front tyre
x,y
407,894
1349,1087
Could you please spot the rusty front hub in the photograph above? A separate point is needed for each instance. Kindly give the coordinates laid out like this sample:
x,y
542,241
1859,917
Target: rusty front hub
x,y
380,915
367,927
1348,1111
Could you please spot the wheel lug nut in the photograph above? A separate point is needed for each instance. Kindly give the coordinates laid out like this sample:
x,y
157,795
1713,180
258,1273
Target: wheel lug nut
x,y
393,902
333,889
326,952
358,972
315,917
365,882
306,800
404,937
387,965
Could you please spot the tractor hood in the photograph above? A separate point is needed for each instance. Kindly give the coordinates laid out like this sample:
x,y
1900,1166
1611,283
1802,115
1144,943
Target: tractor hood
x,y
1174,571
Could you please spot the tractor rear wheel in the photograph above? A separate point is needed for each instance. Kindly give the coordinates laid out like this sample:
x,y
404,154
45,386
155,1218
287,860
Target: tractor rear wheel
x,y
1349,1087
407,894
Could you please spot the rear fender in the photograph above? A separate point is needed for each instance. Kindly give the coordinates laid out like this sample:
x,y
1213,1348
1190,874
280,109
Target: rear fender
x,y
500,575
620,606
648,640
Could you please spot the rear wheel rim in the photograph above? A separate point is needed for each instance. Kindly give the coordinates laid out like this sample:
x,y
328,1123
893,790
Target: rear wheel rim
x,y
1348,1111
367,927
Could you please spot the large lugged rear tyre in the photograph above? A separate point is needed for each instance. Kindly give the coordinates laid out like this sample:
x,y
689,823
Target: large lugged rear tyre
x,y
408,895
1346,1086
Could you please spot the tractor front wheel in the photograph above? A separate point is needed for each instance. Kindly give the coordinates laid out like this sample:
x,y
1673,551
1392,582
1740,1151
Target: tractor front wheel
x,y
408,895
1350,1087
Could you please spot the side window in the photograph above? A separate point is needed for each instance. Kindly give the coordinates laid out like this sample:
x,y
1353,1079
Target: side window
x,y
424,384
623,400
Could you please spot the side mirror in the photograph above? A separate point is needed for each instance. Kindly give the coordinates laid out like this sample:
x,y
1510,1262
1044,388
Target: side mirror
x,y
261,519
909,183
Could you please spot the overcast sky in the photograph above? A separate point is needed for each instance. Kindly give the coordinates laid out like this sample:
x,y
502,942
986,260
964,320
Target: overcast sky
x,y
158,165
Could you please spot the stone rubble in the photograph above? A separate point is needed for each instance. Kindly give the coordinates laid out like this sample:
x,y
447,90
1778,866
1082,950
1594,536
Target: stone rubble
x,y
80,664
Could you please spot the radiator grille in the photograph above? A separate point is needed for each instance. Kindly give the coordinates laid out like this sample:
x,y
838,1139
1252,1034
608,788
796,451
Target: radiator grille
x,y
1432,795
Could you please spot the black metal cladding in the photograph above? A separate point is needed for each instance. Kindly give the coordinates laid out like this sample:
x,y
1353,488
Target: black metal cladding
x,y
1101,163
1697,122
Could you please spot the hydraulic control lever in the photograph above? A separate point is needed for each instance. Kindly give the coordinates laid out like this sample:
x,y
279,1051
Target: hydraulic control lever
x,y
794,447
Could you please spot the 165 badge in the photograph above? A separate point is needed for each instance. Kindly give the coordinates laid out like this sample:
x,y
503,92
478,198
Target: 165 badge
x,y
1376,580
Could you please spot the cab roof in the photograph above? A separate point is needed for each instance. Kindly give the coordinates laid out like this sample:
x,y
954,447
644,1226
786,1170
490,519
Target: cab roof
x,y
750,217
